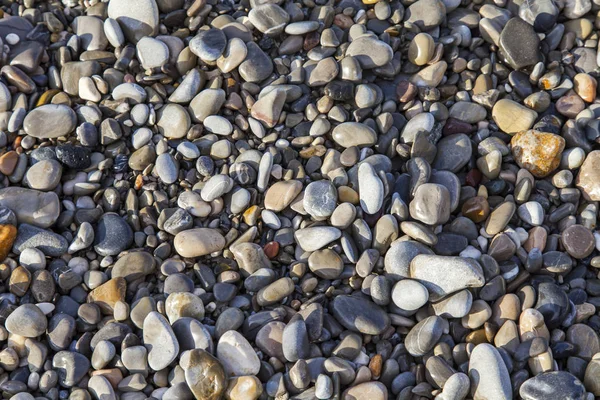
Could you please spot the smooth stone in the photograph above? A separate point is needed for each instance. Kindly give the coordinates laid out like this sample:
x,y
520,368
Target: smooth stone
x,y
167,168
456,305
137,18
160,340
430,204
236,355
366,390
349,134
50,121
204,375
578,241
191,333
359,314
556,385
399,256
424,335
512,117
426,14
198,242
257,66
370,52
409,295
281,194
488,373
295,344
26,320
588,178
152,53
421,49
208,44
233,55
468,112
113,235
453,153
370,188
50,243
445,275
31,206
71,367
269,19
44,175
173,121
315,238
91,32
519,44
326,264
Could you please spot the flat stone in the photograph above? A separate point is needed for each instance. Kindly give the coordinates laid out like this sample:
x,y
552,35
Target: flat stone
x,y
208,44
26,320
113,235
198,242
50,121
453,153
138,18
370,52
445,275
512,117
50,243
557,384
359,314
31,206
519,44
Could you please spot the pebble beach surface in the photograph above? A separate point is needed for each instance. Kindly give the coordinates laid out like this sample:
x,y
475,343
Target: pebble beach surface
x,y
299,199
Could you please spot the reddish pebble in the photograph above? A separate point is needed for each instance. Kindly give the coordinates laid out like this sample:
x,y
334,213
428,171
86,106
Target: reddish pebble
x,y
405,91
454,126
271,249
473,177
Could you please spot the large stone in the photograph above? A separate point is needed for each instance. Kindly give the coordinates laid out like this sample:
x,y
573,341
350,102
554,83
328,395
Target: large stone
x,y
204,375
512,117
359,314
538,152
489,375
31,206
198,242
445,275
50,121
138,18
588,178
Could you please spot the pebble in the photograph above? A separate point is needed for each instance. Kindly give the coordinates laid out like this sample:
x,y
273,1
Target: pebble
x,y
50,121
431,271
160,340
538,152
236,355
488,373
